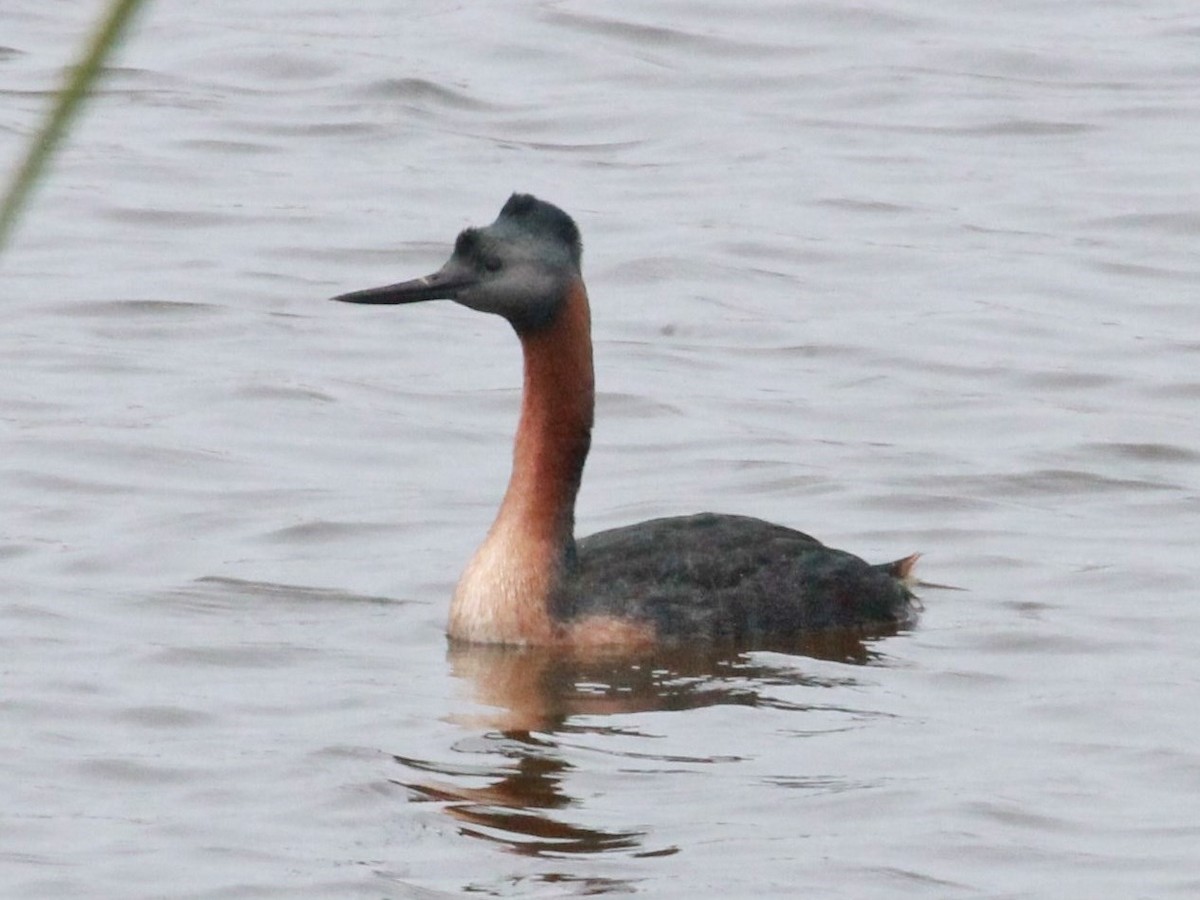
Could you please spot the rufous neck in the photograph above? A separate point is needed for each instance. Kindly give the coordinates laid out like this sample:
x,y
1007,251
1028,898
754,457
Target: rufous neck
x,y
555,428
505,594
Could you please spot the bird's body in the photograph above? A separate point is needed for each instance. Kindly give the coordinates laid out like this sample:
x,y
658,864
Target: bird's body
x,y
704,577
757,578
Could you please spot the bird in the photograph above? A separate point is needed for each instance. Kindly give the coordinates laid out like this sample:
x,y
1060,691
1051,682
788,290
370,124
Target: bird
x,y
703,578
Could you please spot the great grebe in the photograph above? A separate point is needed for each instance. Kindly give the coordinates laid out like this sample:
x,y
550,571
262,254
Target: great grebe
x,y
702,577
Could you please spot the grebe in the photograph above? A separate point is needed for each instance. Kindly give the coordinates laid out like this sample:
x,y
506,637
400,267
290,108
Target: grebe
x,y
703,577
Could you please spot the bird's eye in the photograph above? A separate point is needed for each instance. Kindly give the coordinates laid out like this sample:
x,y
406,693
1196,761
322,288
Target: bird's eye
x,y
493,263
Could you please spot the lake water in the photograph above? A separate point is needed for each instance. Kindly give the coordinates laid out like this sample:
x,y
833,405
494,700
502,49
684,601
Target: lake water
x,y
909,276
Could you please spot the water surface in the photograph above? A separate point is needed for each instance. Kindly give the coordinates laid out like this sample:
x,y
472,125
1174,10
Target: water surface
x,y
909,276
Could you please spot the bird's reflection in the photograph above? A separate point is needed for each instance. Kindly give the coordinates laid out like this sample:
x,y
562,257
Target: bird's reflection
x,y
535,696
534,689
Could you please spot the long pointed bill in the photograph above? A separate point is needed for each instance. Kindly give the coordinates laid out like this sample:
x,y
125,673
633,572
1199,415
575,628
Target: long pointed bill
x,y
441,285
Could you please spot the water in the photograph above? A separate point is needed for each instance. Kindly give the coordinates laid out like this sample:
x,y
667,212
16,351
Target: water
x,y
910,276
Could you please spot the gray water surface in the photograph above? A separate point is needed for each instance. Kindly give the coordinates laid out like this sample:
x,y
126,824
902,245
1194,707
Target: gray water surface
x,y
908,276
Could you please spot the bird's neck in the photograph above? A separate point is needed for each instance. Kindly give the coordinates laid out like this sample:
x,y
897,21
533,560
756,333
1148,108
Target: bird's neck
x,y
504,595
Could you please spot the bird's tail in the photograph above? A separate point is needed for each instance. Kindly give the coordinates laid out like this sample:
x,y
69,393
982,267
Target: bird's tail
x,y
902,569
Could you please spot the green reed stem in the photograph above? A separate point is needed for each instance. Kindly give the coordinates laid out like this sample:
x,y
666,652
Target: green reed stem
x,y
81,78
